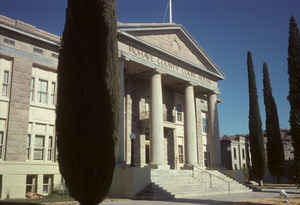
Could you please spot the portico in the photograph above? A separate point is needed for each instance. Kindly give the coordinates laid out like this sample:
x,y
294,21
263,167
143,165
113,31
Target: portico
x,y
162,89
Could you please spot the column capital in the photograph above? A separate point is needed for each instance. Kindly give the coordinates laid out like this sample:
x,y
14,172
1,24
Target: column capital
x,y
189,83
214,92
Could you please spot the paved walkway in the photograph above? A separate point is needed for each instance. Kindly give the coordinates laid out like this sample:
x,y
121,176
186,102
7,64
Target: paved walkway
x,y
228,199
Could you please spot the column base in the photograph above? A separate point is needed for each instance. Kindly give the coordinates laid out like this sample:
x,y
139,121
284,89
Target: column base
x,y
159,166
190,166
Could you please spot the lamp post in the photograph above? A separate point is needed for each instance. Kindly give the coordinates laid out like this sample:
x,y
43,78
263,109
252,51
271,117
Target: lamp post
x,y
132,137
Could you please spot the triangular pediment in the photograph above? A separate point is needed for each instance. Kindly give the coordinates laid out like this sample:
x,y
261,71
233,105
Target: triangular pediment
x,y
175,40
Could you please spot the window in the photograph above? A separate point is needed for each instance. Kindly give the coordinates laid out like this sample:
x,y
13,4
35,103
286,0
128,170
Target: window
x,y
244,166
9,41
38,50
206,159
179,112
1,143
180,153
28,146
47,183
50,148
31,183
43,91
204,123
53,93
234,153
32,89
5,83
39,145
243,153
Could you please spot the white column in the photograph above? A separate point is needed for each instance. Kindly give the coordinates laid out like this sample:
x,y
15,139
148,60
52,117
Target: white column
x,y
121,154
157,144
190,126
213,131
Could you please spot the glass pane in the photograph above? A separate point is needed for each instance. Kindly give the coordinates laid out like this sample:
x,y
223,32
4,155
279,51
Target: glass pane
x,y
38,154
1,137
53,88
39,141
50,143
6,74
45,188
28,140
32,83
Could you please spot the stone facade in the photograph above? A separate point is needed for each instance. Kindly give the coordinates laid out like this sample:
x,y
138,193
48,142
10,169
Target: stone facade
x,y
169,119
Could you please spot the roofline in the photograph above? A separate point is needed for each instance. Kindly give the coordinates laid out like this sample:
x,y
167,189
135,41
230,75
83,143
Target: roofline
x,y
29,30
168,26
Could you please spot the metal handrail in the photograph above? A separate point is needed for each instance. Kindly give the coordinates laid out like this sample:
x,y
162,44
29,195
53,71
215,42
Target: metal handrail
x,y
210,178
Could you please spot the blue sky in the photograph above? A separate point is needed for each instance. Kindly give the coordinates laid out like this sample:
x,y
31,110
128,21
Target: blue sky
x,y
225,29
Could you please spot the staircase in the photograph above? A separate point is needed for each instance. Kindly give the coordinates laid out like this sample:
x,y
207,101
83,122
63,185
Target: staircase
x,y
170,184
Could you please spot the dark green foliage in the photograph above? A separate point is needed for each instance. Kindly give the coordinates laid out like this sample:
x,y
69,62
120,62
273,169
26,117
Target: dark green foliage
x,y
255,127
294,93
88,102
275,151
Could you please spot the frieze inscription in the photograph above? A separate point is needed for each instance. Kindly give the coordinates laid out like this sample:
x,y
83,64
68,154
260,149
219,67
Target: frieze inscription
x,y
166,64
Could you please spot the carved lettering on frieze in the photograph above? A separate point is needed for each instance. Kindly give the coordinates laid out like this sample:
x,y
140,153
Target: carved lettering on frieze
x,y
166,64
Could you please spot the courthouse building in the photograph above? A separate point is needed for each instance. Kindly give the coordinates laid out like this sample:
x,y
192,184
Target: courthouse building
x,y
169,117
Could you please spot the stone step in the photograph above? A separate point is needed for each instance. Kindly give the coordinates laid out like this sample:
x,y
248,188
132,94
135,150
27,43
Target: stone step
x,y
168,184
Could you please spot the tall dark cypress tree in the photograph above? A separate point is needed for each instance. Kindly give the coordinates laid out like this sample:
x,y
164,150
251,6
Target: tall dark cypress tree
x,y
294,92
87,122
275,151
255,127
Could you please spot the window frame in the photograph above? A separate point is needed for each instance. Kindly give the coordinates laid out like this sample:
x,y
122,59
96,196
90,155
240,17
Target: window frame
x,y
5,83
41,148
1,144
180,154
32,90
48,183
33,185
53,92
43,93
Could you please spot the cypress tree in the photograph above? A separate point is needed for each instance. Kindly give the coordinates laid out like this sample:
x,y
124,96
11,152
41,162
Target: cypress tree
x,y
275,151
294,91
255,127
87,122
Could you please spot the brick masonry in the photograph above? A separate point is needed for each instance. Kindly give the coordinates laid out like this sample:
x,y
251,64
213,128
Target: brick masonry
x,y
18,110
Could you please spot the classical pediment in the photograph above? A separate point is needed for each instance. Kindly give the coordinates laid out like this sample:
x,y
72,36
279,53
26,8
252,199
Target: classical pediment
x,y
173,39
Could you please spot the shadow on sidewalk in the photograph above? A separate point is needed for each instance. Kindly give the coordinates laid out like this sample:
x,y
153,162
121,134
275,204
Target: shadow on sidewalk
x,y
17,203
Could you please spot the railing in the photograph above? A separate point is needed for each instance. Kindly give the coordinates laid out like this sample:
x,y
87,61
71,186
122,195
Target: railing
x,y
197,173
145,115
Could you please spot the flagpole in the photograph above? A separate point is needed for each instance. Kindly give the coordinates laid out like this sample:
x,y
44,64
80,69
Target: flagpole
x,y
170,6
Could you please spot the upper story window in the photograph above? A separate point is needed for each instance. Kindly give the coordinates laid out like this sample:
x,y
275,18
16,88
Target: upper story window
x,y
1,143
5,84
179,112
38,50
243,153
32,89
39,146
52,96
43,91
234,153
204,123
9,41
50,148
28,146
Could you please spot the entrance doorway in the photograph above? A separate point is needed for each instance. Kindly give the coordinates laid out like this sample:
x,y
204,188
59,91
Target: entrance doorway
x,y
169,147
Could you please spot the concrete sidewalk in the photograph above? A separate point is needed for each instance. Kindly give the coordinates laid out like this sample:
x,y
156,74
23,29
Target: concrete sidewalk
x,y
228,199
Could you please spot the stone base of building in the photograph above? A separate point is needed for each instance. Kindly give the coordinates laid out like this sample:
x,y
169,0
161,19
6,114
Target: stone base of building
x,y
158,166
